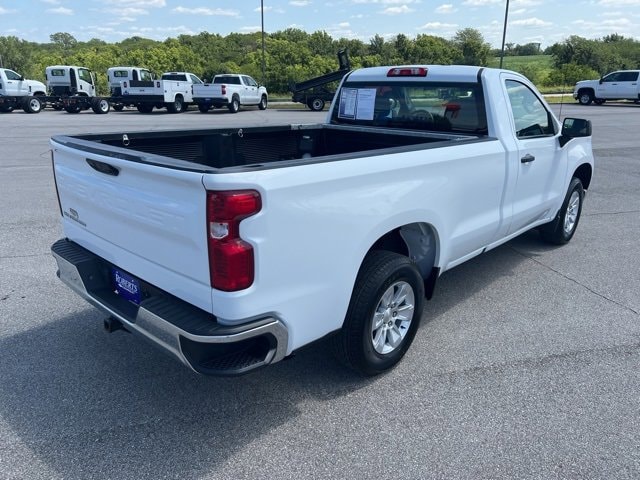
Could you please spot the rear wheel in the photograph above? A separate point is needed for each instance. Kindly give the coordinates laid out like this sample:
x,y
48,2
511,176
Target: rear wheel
x,y
32,105
234,106
73,108
177,106
561,229
100,105
316,104
263,103
585,97
383,314
144,108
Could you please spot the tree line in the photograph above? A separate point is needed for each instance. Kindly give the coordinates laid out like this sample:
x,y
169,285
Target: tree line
x,y
293,55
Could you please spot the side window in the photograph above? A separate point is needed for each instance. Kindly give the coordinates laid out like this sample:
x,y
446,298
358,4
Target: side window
x,y
250,81
85,75
11,75
145,75
629,77
195,79
612,77
529,114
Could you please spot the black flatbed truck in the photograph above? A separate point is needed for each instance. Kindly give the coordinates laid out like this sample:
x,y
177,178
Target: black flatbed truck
x,y
314,92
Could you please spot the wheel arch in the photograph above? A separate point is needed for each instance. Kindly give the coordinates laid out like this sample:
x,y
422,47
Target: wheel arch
x,y
584,173
419,242
590,90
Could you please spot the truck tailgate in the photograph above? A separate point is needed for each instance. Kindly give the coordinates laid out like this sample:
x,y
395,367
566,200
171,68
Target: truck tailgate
x,y
147,219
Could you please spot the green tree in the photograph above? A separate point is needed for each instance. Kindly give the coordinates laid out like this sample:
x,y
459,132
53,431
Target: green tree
x,y
474,50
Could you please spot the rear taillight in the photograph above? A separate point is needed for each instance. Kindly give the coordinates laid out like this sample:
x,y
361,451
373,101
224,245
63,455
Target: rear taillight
x,y
231,262
224,89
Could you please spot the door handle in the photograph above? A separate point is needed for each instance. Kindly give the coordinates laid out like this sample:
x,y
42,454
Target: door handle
x,y
528,158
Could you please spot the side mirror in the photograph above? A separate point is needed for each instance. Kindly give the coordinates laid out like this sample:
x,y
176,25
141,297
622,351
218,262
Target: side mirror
x,y
21,78
574,128
600,81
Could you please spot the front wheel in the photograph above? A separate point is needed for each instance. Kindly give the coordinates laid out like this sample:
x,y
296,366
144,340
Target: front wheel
x,y
561,229
32,105
383,315
263,103
585,97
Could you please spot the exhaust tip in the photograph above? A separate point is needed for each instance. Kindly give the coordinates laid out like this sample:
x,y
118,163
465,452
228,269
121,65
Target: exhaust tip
x,y
112,324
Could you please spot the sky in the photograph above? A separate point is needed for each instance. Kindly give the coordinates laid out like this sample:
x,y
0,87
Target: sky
x,y
543,21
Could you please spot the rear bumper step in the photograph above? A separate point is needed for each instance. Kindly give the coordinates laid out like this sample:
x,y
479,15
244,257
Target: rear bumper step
x,y
182,330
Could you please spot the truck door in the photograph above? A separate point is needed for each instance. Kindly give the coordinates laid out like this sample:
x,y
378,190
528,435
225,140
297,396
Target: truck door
x,y
540,169
13,83
250,90
628,85
608,86
86,84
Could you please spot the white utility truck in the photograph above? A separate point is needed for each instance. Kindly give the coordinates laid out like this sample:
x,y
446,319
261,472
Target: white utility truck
x,y
620,85
232,91
129,76
18,92
73,89
231,248
172,91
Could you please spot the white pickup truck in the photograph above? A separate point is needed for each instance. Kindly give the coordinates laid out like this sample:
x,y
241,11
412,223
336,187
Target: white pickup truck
x,y
172,91
231,248
621,85
230,90
17,92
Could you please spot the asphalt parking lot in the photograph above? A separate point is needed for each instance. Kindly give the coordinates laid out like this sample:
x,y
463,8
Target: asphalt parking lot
x,y
526,364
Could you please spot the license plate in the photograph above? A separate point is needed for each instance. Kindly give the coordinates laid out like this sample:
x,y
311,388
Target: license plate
x,y
126,286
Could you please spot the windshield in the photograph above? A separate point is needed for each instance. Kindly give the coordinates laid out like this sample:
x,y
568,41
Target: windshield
x,y
445,107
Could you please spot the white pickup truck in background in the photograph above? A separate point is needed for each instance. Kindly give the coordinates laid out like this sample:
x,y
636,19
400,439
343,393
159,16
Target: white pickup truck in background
x,y
230,90
15,91
172,91
231,248
620,85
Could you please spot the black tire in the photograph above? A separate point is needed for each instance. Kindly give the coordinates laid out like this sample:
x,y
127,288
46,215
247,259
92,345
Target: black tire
x,y
5,109
73,109
118,107
234,106
263,103
144,108
316,104
599,101
100,105
561,229
57,107
177,106
355,344
585,97
32,105
203,107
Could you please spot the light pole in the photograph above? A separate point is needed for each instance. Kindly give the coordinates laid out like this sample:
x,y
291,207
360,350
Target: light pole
x,y
504,32
262,23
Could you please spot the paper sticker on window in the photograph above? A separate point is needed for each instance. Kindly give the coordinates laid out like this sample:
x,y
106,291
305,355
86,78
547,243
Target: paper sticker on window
x,y
348,100
357,103
365,104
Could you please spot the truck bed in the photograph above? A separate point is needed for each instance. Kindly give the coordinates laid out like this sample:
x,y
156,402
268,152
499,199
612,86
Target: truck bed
x,y
255,148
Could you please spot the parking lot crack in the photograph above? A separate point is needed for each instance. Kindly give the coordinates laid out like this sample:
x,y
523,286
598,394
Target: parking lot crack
x,y
577,282
624,212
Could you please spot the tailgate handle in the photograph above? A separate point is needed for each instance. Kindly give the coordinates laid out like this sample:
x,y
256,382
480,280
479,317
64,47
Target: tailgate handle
x,y
103,167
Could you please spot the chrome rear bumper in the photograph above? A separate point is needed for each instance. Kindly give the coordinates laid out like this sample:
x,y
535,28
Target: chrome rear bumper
x,y
187,332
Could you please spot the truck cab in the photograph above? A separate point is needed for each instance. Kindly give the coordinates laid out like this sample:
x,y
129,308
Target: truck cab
x,y
117,75
65,80
14,84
